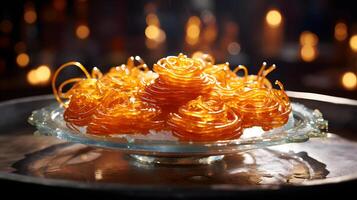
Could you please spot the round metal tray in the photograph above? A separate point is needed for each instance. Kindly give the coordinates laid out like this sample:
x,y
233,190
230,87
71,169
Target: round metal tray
x,y
41,163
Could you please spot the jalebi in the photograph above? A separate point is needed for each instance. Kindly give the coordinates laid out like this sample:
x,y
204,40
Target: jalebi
x,y
195,98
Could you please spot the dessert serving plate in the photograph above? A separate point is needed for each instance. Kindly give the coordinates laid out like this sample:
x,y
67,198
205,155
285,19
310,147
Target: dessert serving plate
x,y
163,147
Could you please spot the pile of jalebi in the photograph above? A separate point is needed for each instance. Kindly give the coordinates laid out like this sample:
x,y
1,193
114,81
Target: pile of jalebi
x,y
194,98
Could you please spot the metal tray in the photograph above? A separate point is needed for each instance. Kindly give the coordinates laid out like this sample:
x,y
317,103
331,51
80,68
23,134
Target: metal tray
x,y
41,163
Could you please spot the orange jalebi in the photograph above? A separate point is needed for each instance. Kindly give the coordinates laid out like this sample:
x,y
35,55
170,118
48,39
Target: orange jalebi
x,y
104,103
181,79
205,119
195,98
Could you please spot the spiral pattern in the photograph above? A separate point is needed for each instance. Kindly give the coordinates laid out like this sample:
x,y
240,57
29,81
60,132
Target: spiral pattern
x,y
180,79
205,119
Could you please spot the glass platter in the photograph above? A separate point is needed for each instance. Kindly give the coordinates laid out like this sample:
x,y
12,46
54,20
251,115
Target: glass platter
x,y
163,147
38,164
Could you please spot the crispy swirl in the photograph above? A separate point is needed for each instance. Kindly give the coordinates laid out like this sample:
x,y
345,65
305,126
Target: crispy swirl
x,y
205,119
180,79
119,114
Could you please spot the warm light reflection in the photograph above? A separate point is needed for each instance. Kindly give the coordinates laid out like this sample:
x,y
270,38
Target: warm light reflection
x,y
353,43
308,38
308,53
22,59
152,19
154,34
210,33
273,18
82,31
349,80
340,31
40,75
193,30
233,48
32,77
151,44
30,15
308,42
98,174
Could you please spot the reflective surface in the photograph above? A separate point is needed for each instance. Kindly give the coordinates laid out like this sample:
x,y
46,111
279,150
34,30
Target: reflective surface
x,y
303,124
25,157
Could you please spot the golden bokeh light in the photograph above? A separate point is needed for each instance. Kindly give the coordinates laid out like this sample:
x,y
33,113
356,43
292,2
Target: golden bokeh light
x,y
22,59
32,77
193,30
39,76
162,36
341,31
353,43
82,31
152,32
30,16
308,38
273,18
308,53
349,80
43,73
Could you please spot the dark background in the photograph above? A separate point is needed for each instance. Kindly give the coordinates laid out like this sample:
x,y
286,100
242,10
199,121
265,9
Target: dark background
x,y
45,33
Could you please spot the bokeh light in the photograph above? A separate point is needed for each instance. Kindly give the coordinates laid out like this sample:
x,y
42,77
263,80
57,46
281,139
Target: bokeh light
x,y
308,53
22,59
308,38
82,31
341,31
30,15
233,48
193,30
39,76
353,43
349,80
273,18
152,32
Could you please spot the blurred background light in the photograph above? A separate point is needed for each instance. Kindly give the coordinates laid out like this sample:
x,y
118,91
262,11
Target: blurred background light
x,y
193,30
313,43
273,18
341,31
353,43
22,59
82,31
30,15
349,80
39,76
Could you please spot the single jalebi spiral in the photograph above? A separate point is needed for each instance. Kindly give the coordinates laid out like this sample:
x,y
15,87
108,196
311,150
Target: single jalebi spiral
x,y
205,119
180,80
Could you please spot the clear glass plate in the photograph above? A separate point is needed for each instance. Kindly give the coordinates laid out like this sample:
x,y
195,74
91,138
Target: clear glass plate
x,y
303,124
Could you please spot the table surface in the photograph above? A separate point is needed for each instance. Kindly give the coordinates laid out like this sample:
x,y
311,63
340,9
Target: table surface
x,y
40,161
